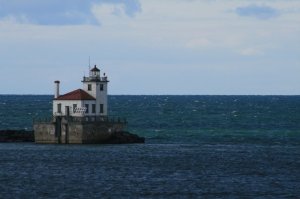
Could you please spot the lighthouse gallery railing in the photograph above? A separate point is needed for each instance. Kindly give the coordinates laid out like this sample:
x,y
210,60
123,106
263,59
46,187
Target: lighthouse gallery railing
x,y
84,119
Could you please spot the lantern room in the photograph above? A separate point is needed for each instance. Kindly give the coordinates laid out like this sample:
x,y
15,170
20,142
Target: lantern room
x,y
95,72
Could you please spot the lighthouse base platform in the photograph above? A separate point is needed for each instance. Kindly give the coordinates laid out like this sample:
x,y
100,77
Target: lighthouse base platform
x,y
83,130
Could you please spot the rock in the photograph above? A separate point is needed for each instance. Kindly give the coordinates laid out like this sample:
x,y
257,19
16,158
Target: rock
x,y
124,137
16,136
120,137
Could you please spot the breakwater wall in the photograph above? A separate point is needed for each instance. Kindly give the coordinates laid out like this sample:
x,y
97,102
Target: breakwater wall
x,y
16,136
121,137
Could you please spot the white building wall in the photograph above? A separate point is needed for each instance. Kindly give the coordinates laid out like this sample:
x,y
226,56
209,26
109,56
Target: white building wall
x,y
100,95
102,98
70,103
92,92
90,103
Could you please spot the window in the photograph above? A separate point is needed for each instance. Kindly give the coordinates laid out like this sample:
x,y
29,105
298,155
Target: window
x,y
89,87
67,110
59,108
93,108
101,87
74,108
101,108
87,108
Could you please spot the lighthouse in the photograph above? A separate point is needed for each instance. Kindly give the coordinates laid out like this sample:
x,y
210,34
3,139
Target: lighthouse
x,y
89,101
81,117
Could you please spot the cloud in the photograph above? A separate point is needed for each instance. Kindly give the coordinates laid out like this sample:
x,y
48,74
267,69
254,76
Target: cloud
x,y
198,43
204,40
260,12
110,14
251,52
57,12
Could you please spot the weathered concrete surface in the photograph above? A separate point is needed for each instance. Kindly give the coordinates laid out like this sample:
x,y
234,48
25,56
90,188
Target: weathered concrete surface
x,y
45,133
83,133
16,136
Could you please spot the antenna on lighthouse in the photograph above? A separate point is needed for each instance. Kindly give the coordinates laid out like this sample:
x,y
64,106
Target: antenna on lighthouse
x,y
89,63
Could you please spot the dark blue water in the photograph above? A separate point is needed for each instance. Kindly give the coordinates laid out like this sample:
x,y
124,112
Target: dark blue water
x,y
196,147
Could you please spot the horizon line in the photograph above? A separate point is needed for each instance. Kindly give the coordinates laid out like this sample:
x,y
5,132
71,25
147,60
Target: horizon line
x,y
177,94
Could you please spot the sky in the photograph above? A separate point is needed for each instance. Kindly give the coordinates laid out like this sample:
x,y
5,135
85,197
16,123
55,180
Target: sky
x,y
178,47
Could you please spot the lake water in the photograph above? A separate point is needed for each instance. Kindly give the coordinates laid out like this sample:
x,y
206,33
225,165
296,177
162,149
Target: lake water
x,y
196,147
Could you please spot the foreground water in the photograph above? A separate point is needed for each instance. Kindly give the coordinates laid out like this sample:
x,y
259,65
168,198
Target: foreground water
x,y
196,146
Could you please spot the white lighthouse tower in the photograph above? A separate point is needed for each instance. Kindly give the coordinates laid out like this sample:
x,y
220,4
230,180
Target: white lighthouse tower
x,y
96,86
89,101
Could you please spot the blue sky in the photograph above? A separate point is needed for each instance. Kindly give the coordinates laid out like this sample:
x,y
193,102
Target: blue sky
x,y
152,47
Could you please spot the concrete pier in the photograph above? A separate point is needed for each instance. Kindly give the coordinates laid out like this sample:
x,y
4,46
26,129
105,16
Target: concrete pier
x,y
79,130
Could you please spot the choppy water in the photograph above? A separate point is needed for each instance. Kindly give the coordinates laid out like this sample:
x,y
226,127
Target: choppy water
x,y
196,147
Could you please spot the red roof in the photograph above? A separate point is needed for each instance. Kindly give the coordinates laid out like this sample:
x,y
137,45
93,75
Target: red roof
x,y
78,94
